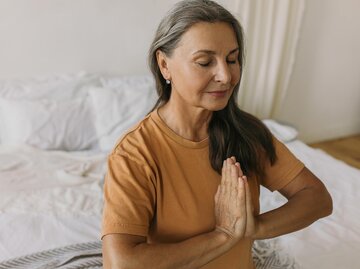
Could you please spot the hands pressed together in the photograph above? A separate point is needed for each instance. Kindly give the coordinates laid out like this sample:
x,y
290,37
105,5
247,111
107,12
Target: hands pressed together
x,y
233,205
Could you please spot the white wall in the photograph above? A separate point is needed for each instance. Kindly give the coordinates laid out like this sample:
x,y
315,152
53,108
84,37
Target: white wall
x,y
38,37
323,100
46,36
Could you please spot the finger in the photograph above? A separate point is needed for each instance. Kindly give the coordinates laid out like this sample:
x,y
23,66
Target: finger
x,y
228,181
227,172
239,169
233,159
234,176
233,183
241,197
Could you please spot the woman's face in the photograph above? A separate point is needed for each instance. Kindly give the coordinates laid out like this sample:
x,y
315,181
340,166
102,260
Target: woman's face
x,y
204,68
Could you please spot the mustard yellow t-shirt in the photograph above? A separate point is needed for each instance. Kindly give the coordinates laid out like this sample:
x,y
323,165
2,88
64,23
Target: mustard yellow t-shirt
x,y
162,186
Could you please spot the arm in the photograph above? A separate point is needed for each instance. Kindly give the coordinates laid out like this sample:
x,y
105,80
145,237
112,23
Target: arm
x,y
308,200
131,251
122,251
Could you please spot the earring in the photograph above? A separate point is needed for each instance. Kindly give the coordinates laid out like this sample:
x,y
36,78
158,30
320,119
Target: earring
x,y
168,81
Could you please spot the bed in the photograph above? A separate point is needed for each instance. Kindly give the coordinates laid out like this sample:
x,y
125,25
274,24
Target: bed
x,y
55,134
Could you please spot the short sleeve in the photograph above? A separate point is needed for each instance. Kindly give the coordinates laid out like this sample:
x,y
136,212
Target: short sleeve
x,y
284,170
129,197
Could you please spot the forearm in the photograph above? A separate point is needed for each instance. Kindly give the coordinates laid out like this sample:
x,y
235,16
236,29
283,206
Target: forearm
x,y
299,212
191,253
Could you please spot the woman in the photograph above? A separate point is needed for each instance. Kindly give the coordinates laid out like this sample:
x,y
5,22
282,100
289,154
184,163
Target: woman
x,y
176,195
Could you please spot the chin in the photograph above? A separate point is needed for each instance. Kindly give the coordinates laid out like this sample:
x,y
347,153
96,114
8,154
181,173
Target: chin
x,y
217,107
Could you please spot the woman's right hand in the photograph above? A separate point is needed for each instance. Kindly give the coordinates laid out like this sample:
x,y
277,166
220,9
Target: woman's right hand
x,y
230,201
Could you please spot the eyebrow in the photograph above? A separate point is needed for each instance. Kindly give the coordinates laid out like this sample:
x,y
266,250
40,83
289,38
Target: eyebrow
x,y
213,52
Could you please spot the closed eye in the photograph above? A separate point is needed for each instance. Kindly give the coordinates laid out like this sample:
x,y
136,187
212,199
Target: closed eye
x,y
232,61
204,64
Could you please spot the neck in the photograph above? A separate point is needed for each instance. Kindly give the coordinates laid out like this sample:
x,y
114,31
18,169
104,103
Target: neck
x,y
190,123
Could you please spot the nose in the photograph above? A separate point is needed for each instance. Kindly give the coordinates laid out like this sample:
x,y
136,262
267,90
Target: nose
x,y
223,73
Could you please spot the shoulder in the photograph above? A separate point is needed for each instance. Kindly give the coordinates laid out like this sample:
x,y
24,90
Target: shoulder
x,y
136,143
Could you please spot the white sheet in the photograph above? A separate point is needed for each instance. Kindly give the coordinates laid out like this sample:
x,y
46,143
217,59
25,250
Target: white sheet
x,y
52,199
48,199
26,233
38,177
332,242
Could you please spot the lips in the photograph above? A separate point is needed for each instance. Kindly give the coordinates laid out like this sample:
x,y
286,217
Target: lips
x,y
218,93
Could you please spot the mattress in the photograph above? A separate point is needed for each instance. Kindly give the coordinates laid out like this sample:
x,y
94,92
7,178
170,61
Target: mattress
x,y
50,199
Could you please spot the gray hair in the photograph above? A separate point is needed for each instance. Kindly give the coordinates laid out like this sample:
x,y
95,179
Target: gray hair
x,y
176,22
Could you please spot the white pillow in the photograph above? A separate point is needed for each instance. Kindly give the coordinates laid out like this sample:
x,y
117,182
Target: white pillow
x,y
118,109
53,87
45,124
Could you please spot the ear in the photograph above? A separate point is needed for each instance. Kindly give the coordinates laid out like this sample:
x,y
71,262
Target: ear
x,y
163,63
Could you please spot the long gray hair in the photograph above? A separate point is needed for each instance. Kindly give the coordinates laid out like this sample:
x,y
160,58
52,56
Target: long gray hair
x,y
232,132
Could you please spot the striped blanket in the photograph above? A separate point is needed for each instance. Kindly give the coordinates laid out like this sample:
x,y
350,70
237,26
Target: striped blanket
x,y
88,255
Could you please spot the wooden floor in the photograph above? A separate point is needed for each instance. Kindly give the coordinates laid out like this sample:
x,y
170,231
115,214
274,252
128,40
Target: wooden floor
x,y
346,149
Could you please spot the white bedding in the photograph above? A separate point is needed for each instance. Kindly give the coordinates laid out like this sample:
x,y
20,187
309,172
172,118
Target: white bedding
x,y
332,242
52,198
48,199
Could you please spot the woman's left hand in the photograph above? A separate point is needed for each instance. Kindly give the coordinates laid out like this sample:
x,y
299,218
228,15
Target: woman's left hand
x,y
251,222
